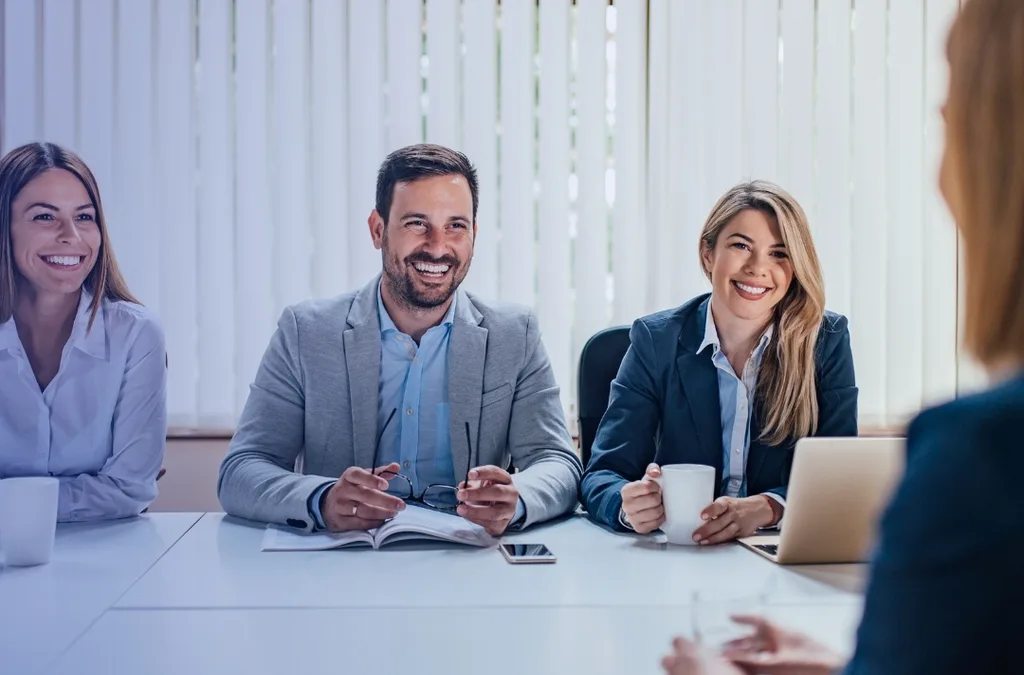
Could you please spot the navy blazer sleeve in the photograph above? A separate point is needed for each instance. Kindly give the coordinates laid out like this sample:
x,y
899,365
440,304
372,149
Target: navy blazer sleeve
x,y
624,444
943,587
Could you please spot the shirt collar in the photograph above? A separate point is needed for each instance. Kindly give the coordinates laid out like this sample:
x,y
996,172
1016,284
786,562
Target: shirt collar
x,y
386,324
93,340
711,337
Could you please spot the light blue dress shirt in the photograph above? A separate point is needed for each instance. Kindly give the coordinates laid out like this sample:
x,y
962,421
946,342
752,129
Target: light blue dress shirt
x,y
736,401
100,426
414,383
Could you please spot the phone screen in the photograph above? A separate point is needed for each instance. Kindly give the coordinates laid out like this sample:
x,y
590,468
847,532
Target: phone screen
x,y
531,551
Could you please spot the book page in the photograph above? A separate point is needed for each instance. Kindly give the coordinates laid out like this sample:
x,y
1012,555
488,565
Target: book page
x,y
277,538
420,523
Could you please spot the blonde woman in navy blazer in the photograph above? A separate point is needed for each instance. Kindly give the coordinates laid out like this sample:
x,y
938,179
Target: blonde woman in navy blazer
x,y
729,380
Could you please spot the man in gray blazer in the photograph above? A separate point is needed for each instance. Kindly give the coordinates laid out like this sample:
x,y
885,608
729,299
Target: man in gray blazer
x,y
408,390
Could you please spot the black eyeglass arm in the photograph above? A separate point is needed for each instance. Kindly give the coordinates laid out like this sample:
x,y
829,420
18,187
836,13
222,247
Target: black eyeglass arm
x,y
469,454
380,435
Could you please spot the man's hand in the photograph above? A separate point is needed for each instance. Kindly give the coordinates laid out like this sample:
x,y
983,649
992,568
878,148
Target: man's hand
x,y
641,502
358,501
728,518
489,500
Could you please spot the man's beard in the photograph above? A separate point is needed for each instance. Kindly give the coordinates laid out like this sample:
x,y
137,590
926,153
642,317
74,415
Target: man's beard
x,y
399,274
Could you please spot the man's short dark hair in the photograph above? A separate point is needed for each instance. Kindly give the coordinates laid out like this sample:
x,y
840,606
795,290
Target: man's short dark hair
x,y
420,161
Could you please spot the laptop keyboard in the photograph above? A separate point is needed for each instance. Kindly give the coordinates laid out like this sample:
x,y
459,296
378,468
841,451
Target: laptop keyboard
x,y
772,549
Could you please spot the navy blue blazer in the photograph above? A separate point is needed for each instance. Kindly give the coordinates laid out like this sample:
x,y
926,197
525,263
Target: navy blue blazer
x,y
664,408
945,592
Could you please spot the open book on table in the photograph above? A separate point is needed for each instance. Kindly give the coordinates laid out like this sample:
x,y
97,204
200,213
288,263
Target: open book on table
x,y
413,524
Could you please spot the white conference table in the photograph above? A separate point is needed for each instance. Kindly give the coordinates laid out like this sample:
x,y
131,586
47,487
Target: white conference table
x,y
44,609
219,565
215,603
405,641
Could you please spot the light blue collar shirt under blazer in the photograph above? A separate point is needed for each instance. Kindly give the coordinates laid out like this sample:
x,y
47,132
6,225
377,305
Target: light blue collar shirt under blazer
x,y
414,384
736,400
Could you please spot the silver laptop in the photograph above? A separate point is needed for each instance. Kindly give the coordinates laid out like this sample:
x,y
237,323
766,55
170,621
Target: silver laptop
x,y
838,489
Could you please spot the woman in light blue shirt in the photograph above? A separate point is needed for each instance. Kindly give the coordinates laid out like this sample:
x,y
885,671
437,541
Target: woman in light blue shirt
x,y
82,363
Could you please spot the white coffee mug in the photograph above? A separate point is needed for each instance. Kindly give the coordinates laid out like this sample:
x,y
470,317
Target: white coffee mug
x,y
685,490
28,519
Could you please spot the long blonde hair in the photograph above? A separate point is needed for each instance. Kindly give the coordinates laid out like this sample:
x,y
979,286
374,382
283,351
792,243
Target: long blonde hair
x,y
786,387
19,167
984,173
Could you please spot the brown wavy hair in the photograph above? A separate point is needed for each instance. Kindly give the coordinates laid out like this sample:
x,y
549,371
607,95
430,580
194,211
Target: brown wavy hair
x,y
19,167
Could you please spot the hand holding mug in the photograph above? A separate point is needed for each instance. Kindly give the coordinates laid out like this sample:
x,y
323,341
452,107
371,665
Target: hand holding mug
x,y
642,502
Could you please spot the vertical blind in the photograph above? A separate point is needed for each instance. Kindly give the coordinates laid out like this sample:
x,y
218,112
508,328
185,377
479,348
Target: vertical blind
x,y
236,144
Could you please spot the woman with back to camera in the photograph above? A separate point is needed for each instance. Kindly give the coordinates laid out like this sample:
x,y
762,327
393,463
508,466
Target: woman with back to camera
x,y
944,595
82,363
729,380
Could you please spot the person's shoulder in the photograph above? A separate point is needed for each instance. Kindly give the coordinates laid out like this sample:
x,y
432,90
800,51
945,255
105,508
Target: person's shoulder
x,y
985,424
317,309
129,320
666,326
833,326
960,458
970,445
833,331
500,315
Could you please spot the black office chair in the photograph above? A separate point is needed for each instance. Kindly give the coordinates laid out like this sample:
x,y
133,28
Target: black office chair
x,y
599,363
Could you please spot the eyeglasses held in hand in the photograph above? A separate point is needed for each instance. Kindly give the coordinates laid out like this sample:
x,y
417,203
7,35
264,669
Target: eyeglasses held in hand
x,y
437,497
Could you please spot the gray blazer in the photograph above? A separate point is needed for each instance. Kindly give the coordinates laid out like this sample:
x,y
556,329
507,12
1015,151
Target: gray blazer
x,y
312,409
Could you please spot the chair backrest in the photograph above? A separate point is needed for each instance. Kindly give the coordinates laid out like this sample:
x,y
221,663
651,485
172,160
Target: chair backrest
x,y
599,363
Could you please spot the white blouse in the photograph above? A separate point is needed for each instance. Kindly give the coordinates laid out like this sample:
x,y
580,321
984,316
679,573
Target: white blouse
x,y
101,425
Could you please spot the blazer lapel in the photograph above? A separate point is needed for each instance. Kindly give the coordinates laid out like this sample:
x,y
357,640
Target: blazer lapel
x,y
362,358
467,350
700,383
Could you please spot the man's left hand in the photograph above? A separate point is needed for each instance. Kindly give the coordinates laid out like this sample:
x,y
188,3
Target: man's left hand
x,y
729,518
489,500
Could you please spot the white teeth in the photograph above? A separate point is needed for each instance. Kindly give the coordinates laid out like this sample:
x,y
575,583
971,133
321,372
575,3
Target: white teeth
x,y
753,290
432,269
66,260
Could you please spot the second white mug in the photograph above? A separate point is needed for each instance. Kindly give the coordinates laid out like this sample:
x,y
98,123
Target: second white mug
x,y
28,519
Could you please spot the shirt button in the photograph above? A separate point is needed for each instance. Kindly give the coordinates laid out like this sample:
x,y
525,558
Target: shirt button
x,y
737,451
406,464
408,411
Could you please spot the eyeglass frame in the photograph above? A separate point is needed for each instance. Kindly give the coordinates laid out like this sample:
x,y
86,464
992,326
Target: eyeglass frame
x,y
413,498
